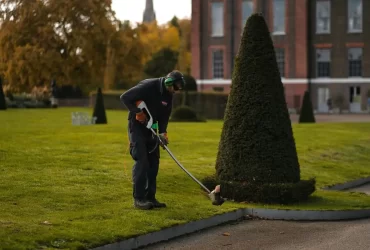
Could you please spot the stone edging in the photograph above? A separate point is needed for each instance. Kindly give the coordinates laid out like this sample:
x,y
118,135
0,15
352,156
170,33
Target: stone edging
x,y
274,214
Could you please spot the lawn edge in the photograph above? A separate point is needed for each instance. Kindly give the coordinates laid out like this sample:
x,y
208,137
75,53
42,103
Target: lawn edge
x,y
241,213
348,184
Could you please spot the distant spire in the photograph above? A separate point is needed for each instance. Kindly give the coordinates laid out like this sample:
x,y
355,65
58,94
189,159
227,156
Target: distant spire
x,y
149,13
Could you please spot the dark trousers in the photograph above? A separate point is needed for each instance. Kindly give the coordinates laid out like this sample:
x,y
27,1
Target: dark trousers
x,y
145,169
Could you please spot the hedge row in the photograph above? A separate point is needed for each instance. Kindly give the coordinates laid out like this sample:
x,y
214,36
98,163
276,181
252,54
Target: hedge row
x,y
207,105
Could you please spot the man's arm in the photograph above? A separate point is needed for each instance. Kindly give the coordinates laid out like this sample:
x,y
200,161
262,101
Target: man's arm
x,y
164,118
131,96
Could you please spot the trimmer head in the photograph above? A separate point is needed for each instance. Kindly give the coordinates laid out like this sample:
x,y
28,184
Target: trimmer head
x,y
215,196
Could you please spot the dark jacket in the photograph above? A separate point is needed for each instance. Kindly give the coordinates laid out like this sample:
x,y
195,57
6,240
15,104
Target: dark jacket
x,y
158,100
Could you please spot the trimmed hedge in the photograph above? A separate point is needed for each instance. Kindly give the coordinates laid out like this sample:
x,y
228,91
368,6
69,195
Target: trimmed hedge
x,y
268,193
99,109
257,158
306,114
185,114
3,105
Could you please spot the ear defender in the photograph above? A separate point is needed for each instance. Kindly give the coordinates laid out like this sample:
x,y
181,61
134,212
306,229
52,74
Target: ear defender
x,y
168,82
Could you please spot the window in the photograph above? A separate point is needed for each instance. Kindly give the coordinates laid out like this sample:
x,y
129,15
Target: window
x,y
354,15
247,10
218,63
280,58
355,62
217,19
323,57
279,16
322,17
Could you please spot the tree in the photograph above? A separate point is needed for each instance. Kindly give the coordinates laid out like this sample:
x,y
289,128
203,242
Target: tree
x,y
306,114
3,105
99,109
162,63
62,40
257,159
339,102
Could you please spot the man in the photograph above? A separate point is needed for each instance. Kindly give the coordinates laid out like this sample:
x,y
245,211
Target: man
x,y
157,93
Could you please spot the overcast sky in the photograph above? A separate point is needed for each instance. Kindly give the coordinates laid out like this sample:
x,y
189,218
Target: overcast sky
x,y
164,9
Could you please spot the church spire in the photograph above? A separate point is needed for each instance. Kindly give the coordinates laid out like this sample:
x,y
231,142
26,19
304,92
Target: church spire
x,y
149,13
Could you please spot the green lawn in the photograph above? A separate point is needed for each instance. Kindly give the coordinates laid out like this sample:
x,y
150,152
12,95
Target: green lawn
x,y
65,186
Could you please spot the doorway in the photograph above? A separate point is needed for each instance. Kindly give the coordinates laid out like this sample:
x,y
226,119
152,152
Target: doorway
x,y
323,95
354,99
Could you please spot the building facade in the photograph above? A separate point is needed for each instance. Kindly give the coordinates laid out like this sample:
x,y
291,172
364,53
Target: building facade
x,y
323,45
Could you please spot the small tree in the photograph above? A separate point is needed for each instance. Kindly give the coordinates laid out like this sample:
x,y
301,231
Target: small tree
x,y
307,115
162,63
3,105
99,109
257,159
339,102
191,85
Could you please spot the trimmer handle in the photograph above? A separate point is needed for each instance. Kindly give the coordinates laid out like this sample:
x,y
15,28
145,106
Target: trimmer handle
x,y
141,105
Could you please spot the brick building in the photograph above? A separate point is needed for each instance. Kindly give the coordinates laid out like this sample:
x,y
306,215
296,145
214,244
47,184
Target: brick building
x,y
333,58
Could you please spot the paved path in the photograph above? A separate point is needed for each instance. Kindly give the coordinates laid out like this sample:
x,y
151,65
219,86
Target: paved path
x,y
363,189
336,118
279,235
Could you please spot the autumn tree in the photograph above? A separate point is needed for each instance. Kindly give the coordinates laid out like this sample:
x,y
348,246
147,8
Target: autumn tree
x,y
124,52
62,40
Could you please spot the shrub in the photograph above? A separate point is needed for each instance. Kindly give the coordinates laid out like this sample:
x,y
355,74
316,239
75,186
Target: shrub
x,y
191,83
3,105
99,110
306,114
185,114
257,158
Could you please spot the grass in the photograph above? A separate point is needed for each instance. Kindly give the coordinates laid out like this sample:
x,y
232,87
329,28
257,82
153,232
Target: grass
x,y
69,187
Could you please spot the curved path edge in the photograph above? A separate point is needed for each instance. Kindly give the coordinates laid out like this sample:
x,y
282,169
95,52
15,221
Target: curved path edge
x,y
194,226
262,213
349,184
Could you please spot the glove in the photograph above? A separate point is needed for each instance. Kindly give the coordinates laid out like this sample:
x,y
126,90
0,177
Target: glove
x,y
141,117
164,138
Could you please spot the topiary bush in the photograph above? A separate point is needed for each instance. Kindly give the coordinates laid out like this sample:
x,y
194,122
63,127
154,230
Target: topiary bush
x,y
99,109
191,83
257,159
306,114
185,114
3,105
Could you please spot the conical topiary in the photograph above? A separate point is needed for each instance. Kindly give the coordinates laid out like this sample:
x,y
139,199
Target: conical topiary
x,y
99,109
306,115
3,105
257,159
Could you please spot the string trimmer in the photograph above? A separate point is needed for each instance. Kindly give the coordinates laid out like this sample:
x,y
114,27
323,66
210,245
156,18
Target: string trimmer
x,y
214,195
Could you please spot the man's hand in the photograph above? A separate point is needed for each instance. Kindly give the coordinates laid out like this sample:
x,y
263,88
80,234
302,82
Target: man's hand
x,y
164,139
141,117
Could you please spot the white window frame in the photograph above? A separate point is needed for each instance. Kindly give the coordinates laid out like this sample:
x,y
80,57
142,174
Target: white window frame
x,y
320,4
280,60
222,63
319,52
217,19
278,15
359,57
244,18
354,8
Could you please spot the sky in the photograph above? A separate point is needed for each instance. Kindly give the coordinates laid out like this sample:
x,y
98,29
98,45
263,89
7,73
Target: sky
x,y
164,9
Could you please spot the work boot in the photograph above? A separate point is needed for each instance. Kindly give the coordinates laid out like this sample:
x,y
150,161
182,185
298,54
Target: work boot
x,y
157,204
143,204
